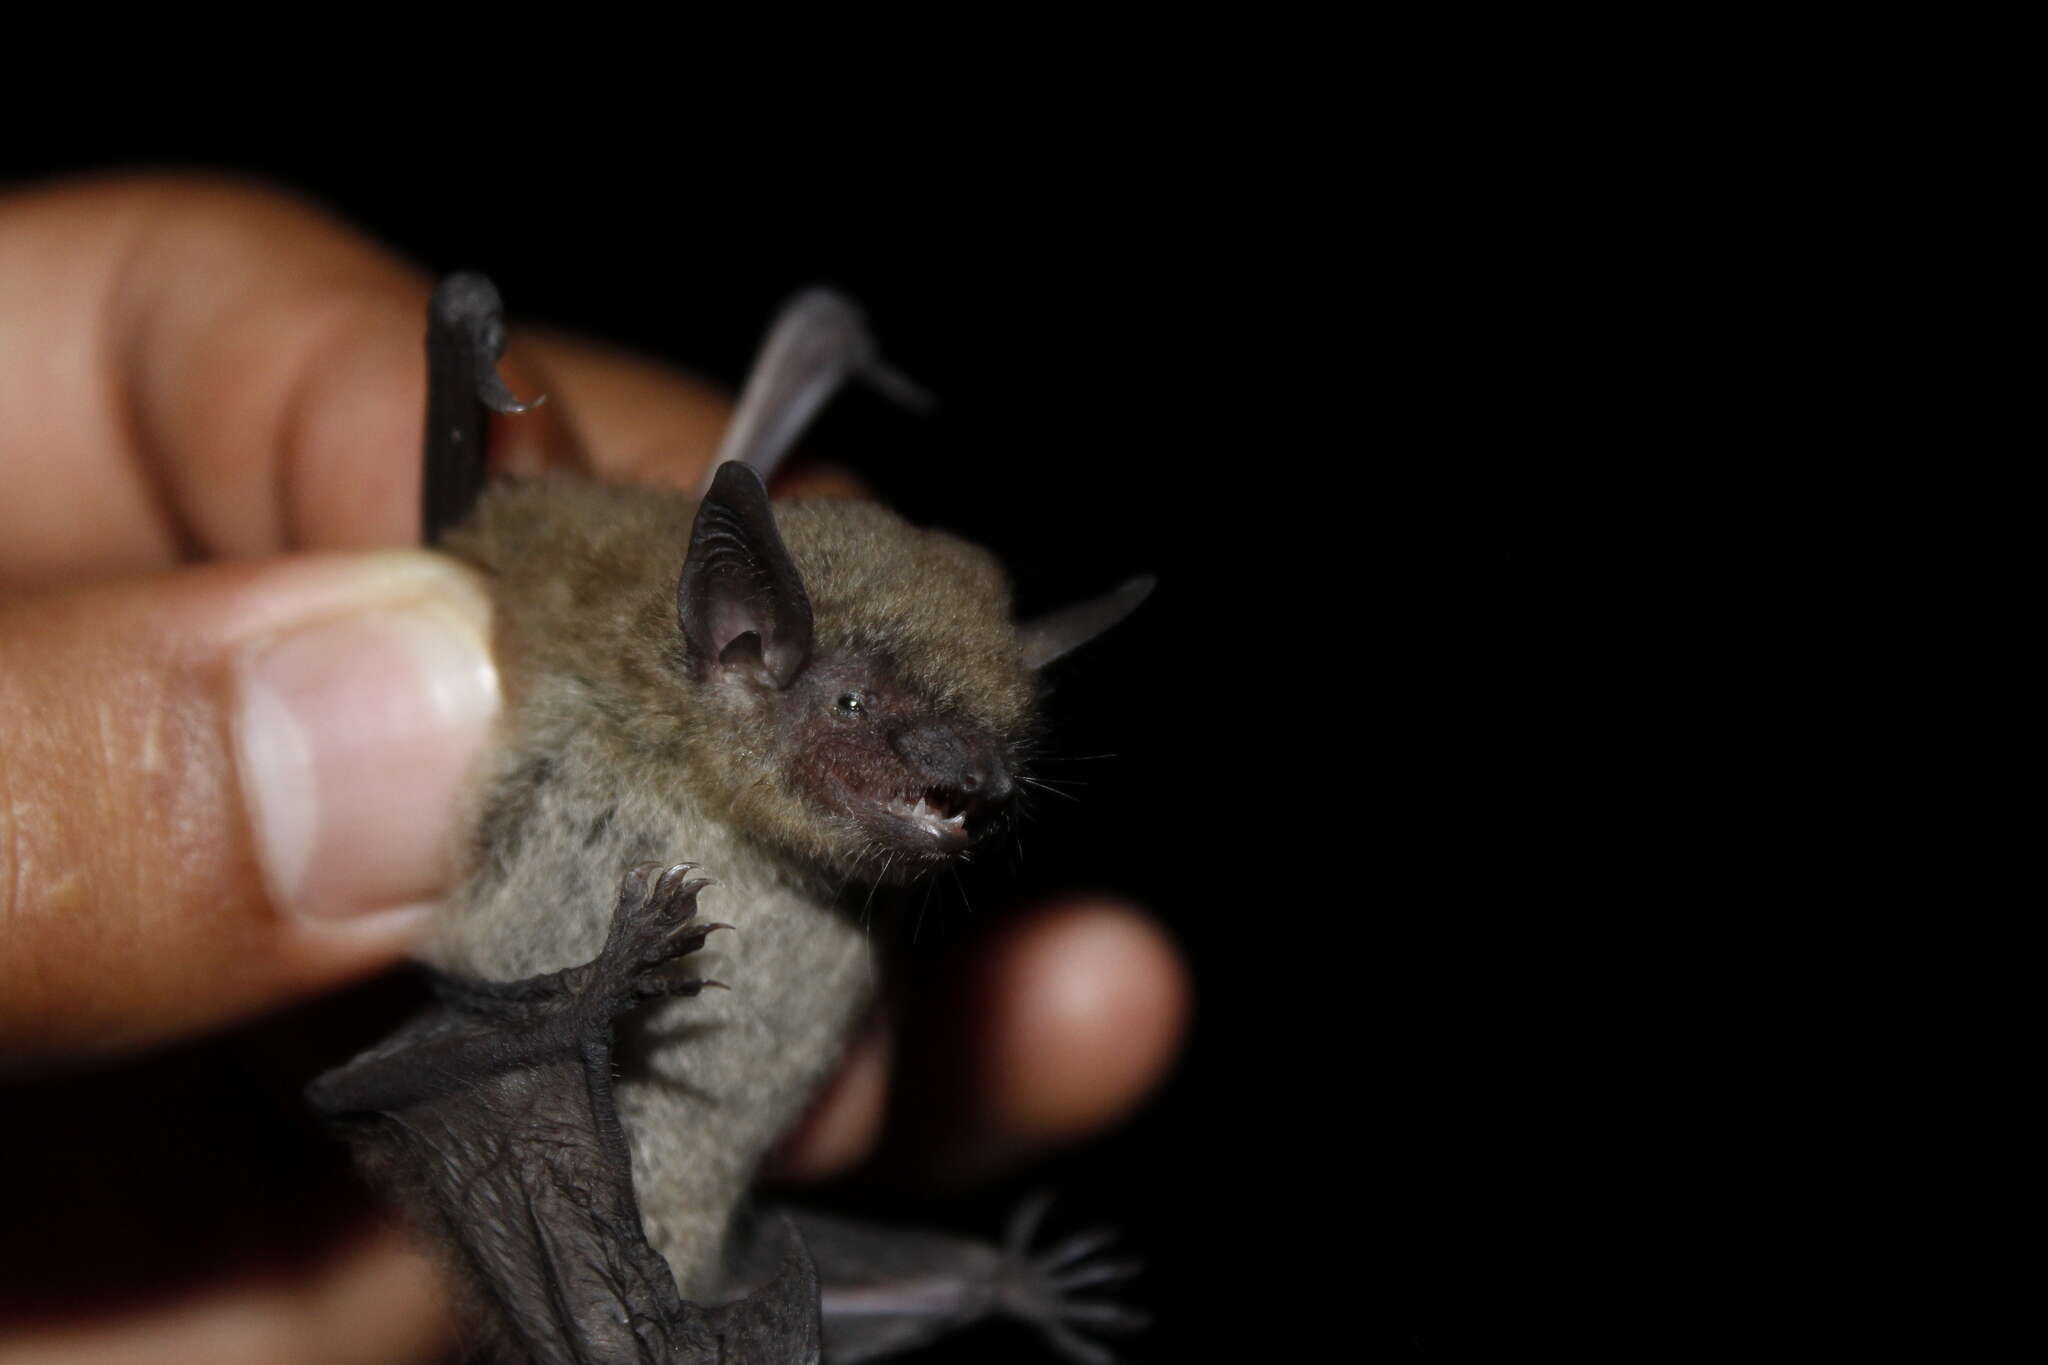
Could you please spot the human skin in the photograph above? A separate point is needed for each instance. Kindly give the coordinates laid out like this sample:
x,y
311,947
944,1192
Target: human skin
x,y
209,408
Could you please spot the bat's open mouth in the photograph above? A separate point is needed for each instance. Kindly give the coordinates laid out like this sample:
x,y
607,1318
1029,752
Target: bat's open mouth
x,y
924,823
945,816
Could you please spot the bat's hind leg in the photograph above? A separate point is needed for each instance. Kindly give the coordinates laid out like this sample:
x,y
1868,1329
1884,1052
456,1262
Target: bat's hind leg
x,y
891,1289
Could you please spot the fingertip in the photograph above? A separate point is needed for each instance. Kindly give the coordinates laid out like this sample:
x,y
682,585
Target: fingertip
x,y
839,1130
319,953
1060,1026
185,865
1091,1000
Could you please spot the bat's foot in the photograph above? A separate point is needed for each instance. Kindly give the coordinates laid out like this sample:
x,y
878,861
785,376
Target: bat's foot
x,y
1040,1287
654,926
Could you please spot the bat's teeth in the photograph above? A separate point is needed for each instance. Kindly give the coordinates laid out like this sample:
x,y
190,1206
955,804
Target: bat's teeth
x,y
945,803
938,810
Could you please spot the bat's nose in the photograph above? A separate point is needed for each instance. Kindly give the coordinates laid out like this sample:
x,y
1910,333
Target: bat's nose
x,y
987,780
958,759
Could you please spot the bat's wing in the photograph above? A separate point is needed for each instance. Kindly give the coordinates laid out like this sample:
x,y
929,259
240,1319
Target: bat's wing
x,y
888,1289
818,341
494,1111
465,337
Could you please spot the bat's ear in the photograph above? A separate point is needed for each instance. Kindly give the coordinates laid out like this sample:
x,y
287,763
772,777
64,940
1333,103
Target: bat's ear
x,y
741,602
1047,637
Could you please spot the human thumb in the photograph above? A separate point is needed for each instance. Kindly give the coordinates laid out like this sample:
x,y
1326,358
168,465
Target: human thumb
x,y
225,788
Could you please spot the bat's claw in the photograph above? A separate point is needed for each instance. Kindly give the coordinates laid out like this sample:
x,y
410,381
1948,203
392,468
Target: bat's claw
x,y
654,924
1040,1287
656,986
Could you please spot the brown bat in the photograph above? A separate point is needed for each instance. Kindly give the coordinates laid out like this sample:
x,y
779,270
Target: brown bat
x,y
806,699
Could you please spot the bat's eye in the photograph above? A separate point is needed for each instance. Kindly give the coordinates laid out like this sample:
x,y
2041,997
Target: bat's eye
x,y
852,704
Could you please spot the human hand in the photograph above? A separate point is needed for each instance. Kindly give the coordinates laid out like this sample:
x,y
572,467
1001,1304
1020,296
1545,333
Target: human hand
x,y
224,774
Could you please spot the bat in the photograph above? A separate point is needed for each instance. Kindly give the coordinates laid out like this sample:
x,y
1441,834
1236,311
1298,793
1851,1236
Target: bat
x,y
806,699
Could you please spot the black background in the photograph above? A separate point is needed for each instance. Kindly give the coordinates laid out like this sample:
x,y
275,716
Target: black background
x,y
1585,736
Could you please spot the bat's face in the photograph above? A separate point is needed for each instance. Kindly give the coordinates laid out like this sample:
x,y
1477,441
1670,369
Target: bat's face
x,y
878,695
906,782
872,666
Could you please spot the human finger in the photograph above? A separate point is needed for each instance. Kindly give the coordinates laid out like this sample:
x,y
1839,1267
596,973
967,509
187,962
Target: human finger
x,y
226,787
1057,1026
219,371
374,1300
224,371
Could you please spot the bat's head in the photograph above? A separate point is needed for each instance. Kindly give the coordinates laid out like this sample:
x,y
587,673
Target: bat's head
x,y
876,694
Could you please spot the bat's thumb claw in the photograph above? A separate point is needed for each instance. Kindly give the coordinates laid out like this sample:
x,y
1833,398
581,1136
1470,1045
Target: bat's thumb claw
x,y
492,393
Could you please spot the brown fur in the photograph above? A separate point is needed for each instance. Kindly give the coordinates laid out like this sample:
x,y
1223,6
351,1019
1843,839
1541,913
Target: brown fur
x,y
610,753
